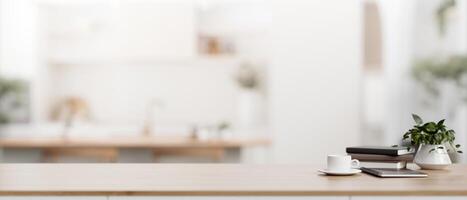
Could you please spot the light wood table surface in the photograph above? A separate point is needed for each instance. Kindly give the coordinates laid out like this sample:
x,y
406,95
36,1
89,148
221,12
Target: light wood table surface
x,y
215,179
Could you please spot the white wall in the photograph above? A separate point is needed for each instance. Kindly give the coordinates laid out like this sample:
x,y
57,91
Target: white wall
x,y
17,39
87,60
191,93
314,79
398,23
128,31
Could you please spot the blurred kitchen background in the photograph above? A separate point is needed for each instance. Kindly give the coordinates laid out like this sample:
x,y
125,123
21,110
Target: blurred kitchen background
x,y
252,81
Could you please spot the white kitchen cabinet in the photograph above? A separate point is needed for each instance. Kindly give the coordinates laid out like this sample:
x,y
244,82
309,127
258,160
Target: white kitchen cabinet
x,y
126,31
157,29
231,198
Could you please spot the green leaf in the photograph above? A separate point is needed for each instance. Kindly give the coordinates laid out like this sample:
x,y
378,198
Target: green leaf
x,y
430,127
417,119
440,123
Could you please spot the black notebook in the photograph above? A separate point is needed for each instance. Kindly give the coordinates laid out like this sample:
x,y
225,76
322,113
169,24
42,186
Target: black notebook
x,y
380,150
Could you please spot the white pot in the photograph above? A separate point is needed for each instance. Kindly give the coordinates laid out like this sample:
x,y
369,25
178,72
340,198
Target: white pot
x,y
427,158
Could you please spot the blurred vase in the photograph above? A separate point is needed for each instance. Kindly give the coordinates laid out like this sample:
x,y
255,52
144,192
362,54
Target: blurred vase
x,y
249,108
432,157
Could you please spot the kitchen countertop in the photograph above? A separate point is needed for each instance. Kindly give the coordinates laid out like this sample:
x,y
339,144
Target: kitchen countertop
x,y
129,142
215,179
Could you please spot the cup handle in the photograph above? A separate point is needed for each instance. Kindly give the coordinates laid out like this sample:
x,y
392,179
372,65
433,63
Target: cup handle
x,y
355,163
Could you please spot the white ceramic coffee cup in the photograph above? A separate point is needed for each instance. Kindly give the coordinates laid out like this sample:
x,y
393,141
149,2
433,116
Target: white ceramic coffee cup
x,y
338,163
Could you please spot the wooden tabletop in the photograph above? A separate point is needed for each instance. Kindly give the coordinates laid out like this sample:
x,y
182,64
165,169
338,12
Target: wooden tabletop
x,y
214,179
129,142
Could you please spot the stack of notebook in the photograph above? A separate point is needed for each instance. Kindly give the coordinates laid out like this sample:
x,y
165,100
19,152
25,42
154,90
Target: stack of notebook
x,y
381,157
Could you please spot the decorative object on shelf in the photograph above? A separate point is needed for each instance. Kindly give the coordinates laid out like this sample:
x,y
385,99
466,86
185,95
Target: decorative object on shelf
x,y
71,110
207,133
224,130
221,130
194,133
430,138
250,98
213,45
12,98
443,10
247,77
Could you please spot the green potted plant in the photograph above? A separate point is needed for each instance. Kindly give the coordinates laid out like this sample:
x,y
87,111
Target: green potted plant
x,y
431,139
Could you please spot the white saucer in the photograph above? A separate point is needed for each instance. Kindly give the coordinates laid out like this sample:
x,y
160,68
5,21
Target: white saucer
x,y
336,173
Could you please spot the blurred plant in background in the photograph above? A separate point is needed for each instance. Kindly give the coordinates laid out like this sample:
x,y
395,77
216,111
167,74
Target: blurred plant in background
x,y
247,77
430,72
433,72
12,97
441,14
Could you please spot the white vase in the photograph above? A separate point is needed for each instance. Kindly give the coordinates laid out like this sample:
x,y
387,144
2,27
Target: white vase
x,y
249,109
432,157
